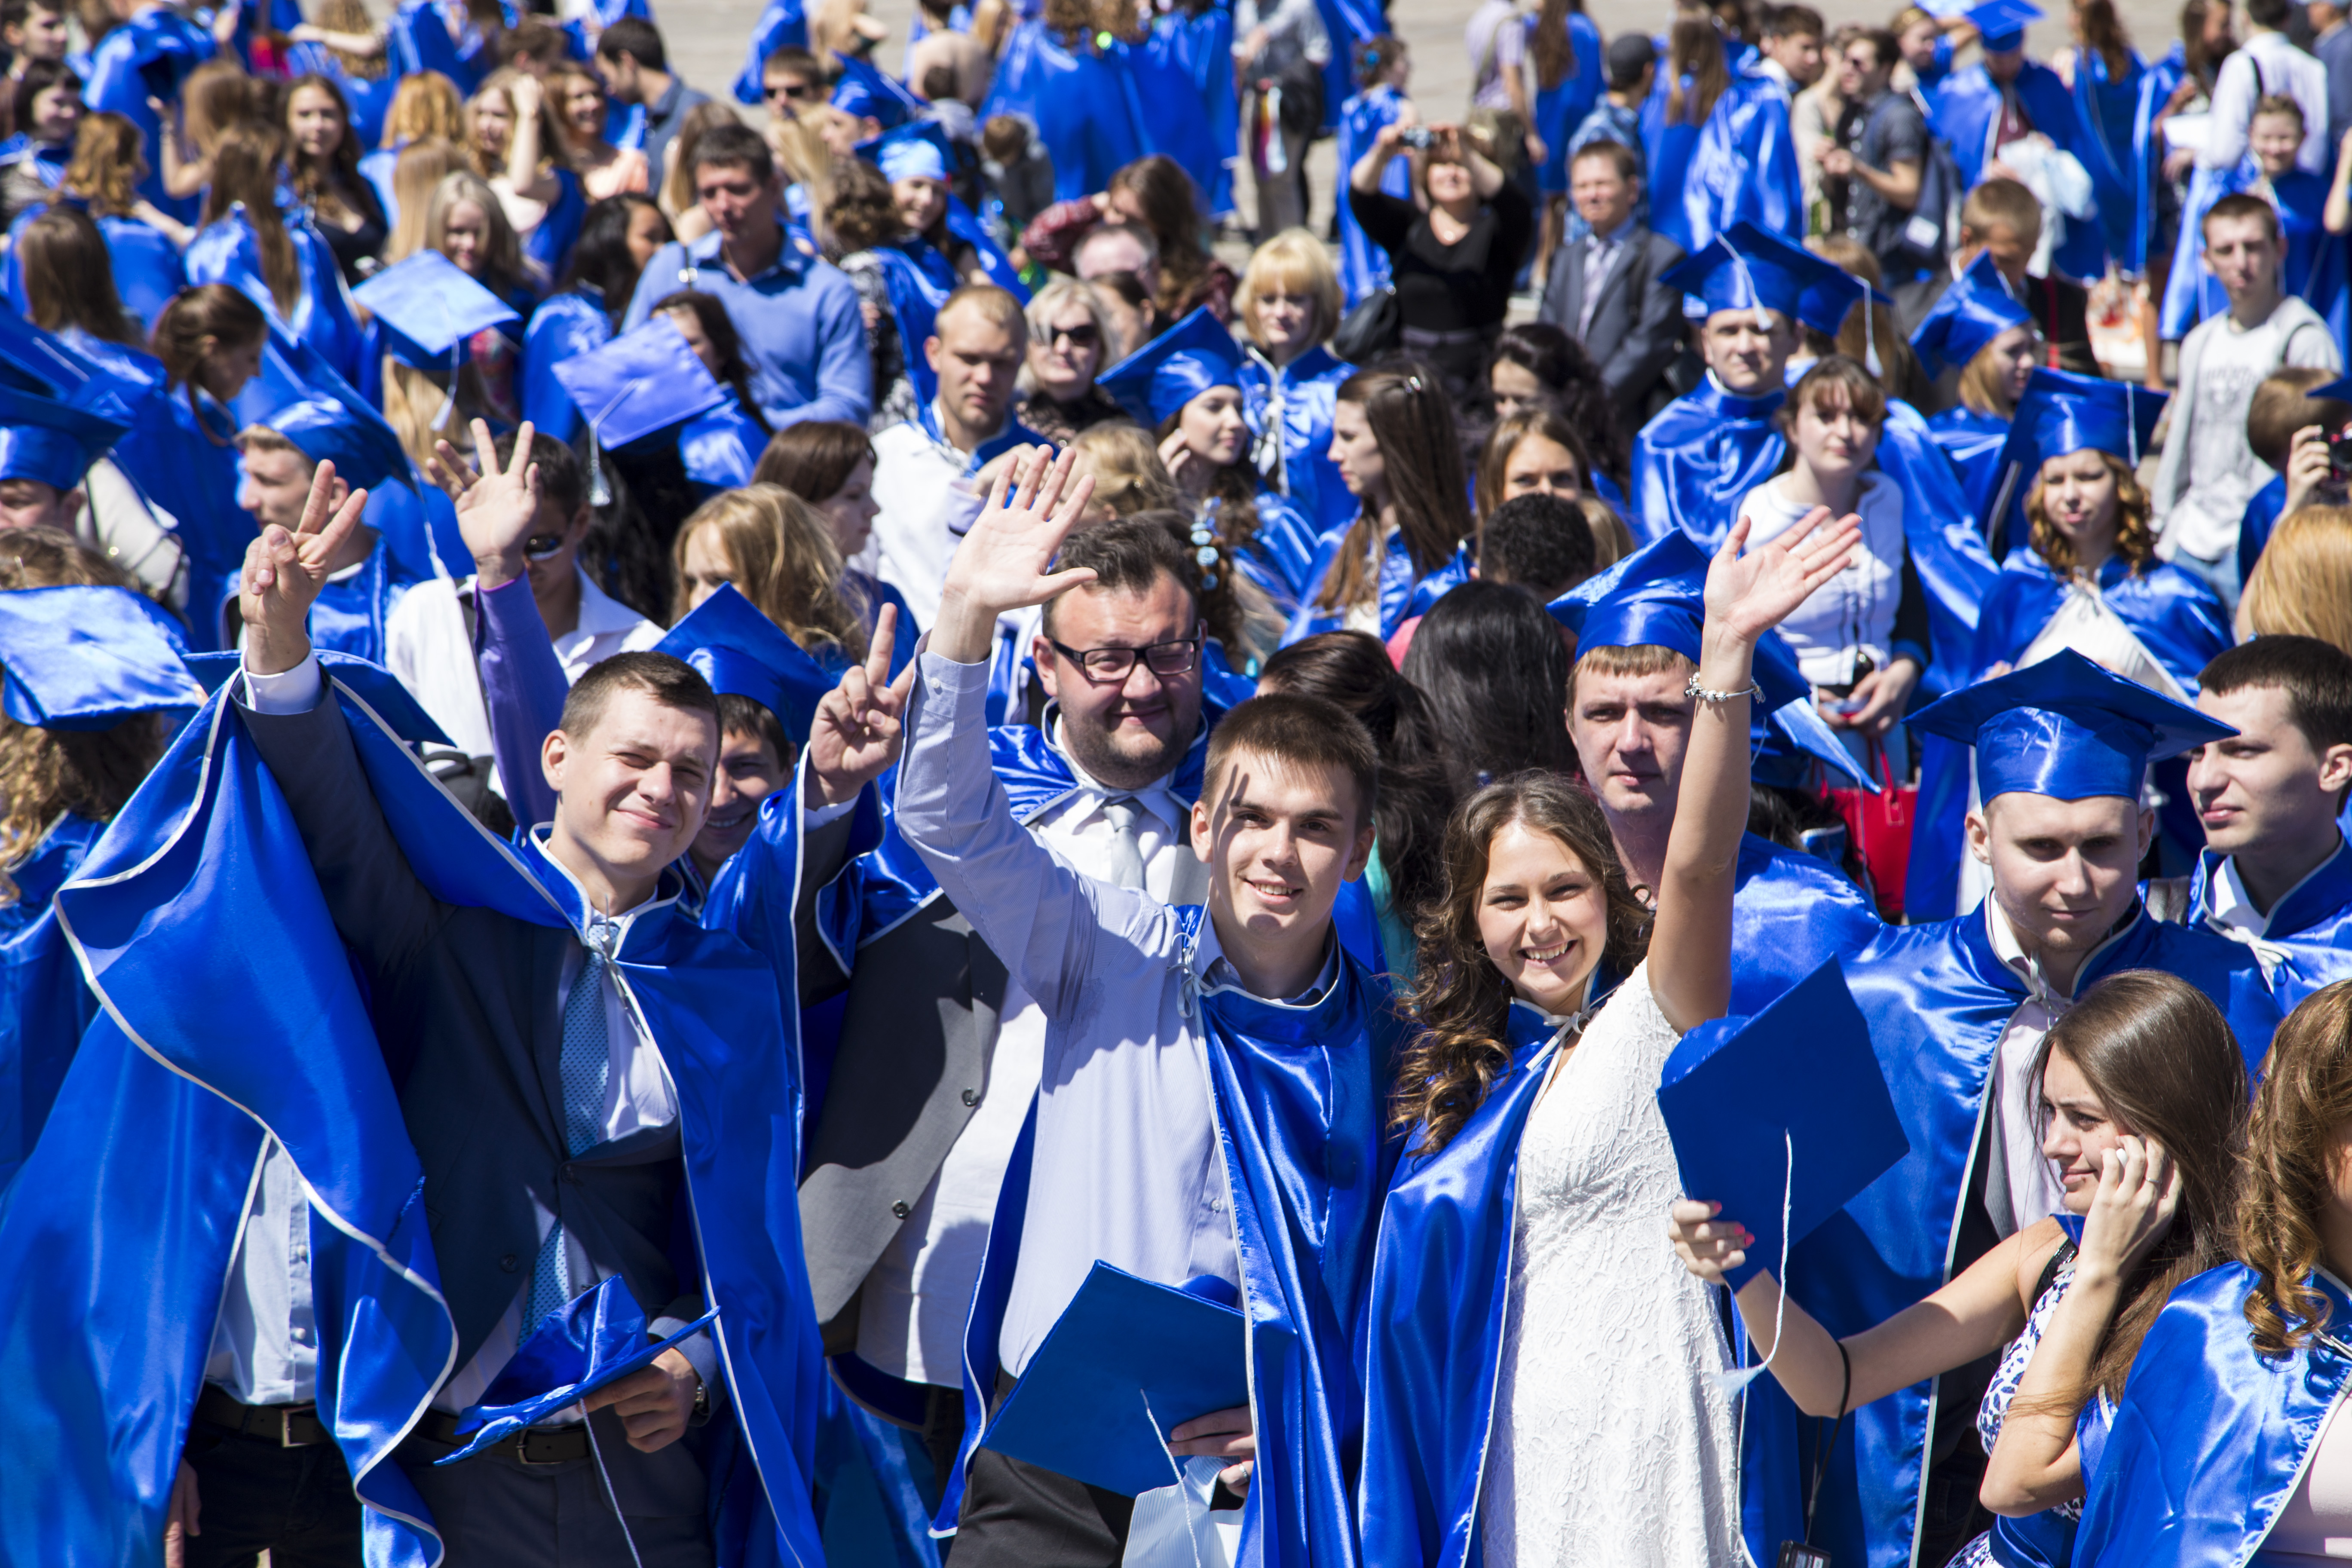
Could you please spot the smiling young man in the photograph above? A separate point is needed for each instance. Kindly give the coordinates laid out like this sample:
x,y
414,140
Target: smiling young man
x,y
549,1072
2275,873
1178,1048
1957,1011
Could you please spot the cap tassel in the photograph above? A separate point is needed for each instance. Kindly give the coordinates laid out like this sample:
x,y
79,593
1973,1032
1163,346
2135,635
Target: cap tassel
x,y
600,489
449,402
2131,426
1870,338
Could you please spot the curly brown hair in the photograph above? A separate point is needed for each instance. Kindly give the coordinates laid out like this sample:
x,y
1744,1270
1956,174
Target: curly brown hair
x,y
863,213
2306,1095
2135,541
1460,1000
45,774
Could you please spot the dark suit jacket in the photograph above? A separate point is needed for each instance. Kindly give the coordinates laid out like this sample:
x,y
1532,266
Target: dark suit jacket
x,y
465,1001
2061,315
1637,324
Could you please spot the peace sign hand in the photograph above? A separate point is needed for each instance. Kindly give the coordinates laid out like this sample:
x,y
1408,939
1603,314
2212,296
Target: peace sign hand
x,y
858,728
496,508
284,572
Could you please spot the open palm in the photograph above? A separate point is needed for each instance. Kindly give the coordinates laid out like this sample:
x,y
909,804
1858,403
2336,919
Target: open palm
x,y
1748,593
1004,562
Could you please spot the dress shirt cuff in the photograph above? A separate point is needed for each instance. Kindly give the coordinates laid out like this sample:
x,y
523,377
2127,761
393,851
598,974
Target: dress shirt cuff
x,y
948,681
698,1351
962,507
295,690
816,816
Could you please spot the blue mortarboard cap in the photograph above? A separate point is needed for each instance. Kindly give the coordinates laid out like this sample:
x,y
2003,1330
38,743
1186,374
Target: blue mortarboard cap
x,y
427,306
371,683
640,383
1125,1356
2061,413
1827,301
1746,267
1788,1106
865,88
917,150
1175,368
1976,308
41,363
594,1340
2341,391
79,658
739,650
1657,598
305,399
2066,728
54,442
2001,24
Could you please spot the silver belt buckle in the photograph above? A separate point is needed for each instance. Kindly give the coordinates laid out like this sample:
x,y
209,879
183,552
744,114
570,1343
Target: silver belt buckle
x,y
286,1427
522,1451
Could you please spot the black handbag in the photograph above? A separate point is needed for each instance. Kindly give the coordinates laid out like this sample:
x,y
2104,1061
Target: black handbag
x,y
1375,327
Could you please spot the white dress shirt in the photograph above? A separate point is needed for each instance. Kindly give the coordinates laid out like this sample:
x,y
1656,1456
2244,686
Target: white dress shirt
x,y
927,505
638,1094
911,1319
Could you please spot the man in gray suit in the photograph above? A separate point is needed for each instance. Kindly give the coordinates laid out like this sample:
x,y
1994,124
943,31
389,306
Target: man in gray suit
x,y
539,1102
939,1052
1604,290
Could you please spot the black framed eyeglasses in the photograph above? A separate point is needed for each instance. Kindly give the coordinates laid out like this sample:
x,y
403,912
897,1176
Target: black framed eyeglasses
x,y
1109,664
540,546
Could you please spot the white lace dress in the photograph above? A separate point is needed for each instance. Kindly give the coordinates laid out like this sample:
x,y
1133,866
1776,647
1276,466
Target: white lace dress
x,y
1614,1443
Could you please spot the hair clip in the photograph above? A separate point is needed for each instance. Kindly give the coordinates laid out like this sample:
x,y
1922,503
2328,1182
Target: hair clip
x,y
1413,384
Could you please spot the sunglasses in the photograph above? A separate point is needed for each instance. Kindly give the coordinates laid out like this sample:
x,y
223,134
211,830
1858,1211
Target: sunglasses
x,y
542,546
1084,336
792,90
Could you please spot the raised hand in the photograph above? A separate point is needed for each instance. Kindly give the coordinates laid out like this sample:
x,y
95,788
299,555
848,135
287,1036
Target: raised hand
x,y
857,730
496,508
1750,594
1005,561
2139,1191
284,573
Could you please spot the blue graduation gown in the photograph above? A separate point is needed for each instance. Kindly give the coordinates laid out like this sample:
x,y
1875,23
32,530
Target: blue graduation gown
x,y
1363,265
1297,1095
1309,388
2155,85
421,537
1667,156
323,315
1281,549
1941,536
563,327
183,460
2308,942
417,39
1204,45
550,243
1743,165
148,57
2212,1437
2172,612
782,24
376,168
147,271
44,1004
1973,442
1405,591
1560,109
1938,999
1442,1280
1968,108
1174,114
1697,459
1084,106
349,617
2106,107
721,447
2254,526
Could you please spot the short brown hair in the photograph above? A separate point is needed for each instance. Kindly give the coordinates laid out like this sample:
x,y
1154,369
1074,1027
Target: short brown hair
x,y
2002,204
668,680
1296,730
2231,208
1864,398
813,459
1642,658
2282,405
1619,156
731,145
2315,675
1126,556
998,307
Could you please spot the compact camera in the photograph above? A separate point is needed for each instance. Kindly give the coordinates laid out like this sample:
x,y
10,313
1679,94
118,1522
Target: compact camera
x,y
1419,137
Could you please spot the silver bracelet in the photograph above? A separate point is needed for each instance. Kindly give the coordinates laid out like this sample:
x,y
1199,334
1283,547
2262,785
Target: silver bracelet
x,y
1704,695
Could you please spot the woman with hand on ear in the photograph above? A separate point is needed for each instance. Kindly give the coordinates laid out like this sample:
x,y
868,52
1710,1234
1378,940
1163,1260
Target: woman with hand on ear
x,y
2143,1096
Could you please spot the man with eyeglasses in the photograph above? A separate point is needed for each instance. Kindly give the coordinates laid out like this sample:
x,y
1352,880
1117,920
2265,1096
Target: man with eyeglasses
x,y
940,1053
430,637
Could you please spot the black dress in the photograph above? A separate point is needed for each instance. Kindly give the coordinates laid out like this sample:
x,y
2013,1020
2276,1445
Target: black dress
x,y
1450,298
355,247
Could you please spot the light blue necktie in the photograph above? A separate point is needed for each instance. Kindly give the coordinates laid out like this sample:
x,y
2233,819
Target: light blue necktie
x,y
582,1070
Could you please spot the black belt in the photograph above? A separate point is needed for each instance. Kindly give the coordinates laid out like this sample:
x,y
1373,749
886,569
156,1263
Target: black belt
x,y
287,1426
531,1446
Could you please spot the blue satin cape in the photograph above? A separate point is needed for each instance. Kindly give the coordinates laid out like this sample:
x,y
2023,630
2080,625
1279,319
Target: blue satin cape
x,y
2308,942
1084,106
1405,591
1973,442
2212,1437
1968,108
2172,612
1936,998
1363,265
323,316
147,272
2106,107
564,327
1299,1096
1560,109
44,1005
1310,390
148,57
1743,168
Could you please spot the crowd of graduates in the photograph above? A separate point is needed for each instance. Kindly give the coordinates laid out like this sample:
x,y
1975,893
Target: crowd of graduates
x,y
916,814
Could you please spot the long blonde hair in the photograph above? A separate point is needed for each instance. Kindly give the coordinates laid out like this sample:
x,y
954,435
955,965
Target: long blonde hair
x,y
2305,1096
416,174
424,106
785,560
554,152
2302,585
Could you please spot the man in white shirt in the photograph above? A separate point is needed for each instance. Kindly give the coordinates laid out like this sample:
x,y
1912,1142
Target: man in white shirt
x,y
925,468
2266,63
940,1046
430,635
2209,472
1149,1015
